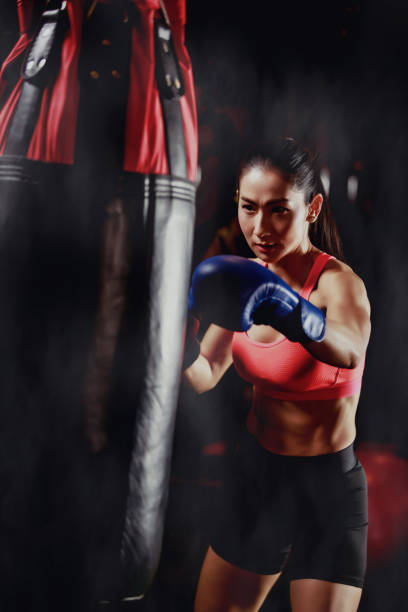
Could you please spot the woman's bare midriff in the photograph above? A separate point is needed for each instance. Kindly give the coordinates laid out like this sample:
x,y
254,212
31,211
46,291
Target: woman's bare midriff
x,y
303,428
307,427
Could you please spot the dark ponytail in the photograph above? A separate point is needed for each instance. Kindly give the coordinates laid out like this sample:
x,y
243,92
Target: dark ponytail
x,y
323,233
301,168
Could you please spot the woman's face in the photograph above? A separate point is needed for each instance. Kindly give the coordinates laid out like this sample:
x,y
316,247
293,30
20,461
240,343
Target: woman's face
x,y
272,214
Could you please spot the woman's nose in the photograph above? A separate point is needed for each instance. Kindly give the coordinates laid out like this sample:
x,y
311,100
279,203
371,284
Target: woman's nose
x,y
261,227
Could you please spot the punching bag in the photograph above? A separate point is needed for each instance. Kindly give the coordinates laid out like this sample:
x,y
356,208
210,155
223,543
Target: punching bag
x,y
169,267
135,362
170,213
147,241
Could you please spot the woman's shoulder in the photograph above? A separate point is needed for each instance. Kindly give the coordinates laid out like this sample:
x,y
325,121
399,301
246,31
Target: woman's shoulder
x,y
338,276
337,268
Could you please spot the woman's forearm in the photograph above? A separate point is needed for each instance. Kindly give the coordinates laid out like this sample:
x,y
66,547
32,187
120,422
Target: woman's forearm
x,y
213,361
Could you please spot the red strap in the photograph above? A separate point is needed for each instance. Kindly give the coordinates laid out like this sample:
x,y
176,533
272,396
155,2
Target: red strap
x,y
318,265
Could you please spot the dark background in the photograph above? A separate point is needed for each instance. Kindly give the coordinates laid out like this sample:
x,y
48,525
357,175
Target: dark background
x,y
331,74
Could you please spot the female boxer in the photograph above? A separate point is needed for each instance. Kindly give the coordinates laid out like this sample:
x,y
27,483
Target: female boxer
x,y
299,494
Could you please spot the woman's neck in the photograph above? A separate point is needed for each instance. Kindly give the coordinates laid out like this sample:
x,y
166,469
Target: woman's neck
x,y
295,266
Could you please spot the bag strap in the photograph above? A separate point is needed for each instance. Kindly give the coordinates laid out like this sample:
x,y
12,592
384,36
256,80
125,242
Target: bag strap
x,y
164,12
171,87
36,68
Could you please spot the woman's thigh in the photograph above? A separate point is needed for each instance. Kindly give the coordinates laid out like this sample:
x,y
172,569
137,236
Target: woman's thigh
x,y
310,595
331,540
223,587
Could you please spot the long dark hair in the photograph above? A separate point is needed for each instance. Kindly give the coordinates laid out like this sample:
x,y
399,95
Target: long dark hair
x,y
300,165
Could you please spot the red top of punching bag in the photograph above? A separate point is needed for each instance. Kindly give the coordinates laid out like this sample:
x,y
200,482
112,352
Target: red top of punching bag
x,y
53,139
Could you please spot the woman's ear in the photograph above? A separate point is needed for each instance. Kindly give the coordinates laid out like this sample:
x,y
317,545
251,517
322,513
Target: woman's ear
x,y
236,196
314,208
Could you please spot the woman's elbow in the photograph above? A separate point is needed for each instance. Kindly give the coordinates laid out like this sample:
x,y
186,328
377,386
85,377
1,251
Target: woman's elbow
x,y
197,379
354,354
354,357
353,360
357,354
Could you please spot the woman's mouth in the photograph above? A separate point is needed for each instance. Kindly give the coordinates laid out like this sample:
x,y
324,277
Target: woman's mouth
x,y
265,247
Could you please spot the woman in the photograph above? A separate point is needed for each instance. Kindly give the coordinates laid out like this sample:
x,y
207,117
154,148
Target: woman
x,y
300,494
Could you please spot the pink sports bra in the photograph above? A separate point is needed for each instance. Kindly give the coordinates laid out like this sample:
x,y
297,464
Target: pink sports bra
x,y
285,370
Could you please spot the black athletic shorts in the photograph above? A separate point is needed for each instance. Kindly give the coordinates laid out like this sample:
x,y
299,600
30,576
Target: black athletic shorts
x,y
306,513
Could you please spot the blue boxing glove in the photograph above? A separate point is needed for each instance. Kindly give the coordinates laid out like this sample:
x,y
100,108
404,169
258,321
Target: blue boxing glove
x,y
235,293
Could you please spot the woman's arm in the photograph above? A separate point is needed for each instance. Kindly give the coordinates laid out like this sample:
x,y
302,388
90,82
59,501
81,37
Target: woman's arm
x,y
342,294
213,361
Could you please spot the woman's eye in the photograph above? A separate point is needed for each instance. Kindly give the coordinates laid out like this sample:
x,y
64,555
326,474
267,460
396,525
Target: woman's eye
x,y
248,207
281,210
